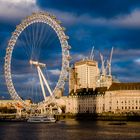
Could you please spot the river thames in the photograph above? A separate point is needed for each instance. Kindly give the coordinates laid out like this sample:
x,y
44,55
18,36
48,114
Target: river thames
x,y
69,130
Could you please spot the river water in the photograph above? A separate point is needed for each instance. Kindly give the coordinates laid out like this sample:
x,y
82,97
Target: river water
x,y
69,130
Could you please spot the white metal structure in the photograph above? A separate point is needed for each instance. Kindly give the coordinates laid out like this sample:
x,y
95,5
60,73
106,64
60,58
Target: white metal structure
x,y
92,54
109,62
46,18
103,67
42,78
108,66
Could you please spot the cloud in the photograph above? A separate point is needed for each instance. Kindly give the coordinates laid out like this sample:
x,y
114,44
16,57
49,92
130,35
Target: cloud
x,y
55,72
125,60
125,55
100,8
130,20
14,9
121,70
137,61
103,23
78,57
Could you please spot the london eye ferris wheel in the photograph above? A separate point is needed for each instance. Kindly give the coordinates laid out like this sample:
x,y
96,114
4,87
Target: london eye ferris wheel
x,y
28,61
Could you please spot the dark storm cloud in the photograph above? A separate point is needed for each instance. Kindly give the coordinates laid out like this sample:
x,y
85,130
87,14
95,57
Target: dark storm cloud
x,y
5,32
102,23
120,69
126,44
4,37
124,38
100,8
103,38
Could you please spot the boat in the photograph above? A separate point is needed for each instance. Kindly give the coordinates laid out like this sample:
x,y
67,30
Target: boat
x,y
41,119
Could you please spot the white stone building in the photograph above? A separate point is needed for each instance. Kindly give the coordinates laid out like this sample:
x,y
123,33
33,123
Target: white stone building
x,y
93,92
119,98
84,101
123,97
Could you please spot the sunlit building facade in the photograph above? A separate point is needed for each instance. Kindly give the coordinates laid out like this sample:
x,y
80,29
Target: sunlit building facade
x,y
123,97
83,75
119,98
10,104
93,92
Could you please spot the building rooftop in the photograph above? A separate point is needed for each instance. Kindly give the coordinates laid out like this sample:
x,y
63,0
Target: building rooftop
x,y
89,91
124,86
100,90
86,61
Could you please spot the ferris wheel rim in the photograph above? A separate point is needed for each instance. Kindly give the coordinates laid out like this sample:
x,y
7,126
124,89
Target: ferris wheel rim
x,y
59,30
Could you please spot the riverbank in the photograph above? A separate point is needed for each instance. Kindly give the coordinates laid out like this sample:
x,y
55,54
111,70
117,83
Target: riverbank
x,y
80,117
100,117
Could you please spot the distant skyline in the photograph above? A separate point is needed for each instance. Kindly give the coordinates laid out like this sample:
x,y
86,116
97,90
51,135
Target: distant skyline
x,y
88,22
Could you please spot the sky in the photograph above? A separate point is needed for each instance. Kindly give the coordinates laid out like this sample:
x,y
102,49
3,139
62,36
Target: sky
x,y
88,23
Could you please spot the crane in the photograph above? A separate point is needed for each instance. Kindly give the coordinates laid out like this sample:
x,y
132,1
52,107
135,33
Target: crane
x,y
92,54
109,62
103,61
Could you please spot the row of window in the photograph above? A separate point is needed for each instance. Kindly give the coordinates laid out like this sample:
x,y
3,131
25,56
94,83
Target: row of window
x,y
129,101
127,108
136,107
83,108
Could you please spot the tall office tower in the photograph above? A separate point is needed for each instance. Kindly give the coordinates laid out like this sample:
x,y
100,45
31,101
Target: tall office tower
x,y
83,75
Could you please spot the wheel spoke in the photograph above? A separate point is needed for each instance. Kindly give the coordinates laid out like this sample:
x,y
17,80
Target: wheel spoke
x,y
33,39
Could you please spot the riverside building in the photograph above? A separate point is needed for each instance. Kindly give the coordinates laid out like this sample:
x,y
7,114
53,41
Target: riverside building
x,y
93,92
83,75
12,104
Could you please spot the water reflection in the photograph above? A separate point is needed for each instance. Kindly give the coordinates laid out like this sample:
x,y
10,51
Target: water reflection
x,y
69,130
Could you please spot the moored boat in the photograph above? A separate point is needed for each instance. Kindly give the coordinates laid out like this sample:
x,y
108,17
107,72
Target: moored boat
x,y
41,119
